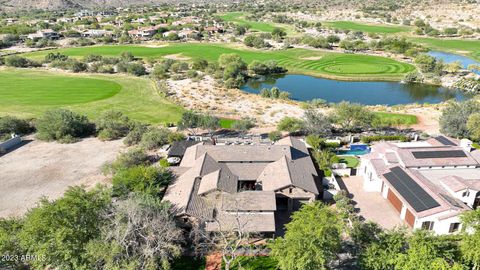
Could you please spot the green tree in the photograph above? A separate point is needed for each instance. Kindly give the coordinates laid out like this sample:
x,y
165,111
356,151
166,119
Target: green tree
x,y
315,141
317,123
426,251
426,63
209,123
58,231
383,252
351,116
140,180
139,234
473,126
10,245
470,238
63,125
325,159
453,121
453,67
190,121
311,241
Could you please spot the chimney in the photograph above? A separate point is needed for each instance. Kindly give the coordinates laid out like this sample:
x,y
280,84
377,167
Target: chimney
x,y
466,144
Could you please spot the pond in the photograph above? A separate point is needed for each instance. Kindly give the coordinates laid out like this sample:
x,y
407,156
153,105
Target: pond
x,y
451,57
303,88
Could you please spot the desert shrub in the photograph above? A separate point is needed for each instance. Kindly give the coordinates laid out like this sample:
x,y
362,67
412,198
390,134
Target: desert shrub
x,y
69,64
11,124
135,134
18,61
136,69
112,125
175,137
155,138
55,56
274,136
92,58
290,124
63,125
131,158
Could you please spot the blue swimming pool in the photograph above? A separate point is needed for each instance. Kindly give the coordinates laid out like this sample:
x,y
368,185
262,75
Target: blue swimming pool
x,y
350,152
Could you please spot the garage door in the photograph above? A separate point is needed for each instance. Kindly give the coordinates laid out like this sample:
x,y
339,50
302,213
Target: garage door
x,y
394,200
409,218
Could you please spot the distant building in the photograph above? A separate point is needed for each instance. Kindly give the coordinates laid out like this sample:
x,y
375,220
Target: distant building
x,y
92,33
45,33
217,183
145,32
429,183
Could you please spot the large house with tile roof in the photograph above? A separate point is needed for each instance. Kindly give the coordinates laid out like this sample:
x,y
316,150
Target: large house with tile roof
x,y
430,183
223,185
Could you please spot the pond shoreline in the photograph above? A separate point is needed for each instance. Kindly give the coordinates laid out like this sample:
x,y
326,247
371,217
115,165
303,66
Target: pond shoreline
x,y
304,88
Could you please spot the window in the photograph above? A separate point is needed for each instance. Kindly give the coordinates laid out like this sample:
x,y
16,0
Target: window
x,y
454,227
290,190
427,225
466,193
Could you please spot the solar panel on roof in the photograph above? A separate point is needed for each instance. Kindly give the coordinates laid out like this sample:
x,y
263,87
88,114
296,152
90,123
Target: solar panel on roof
x,y
415,195
439,154
445,141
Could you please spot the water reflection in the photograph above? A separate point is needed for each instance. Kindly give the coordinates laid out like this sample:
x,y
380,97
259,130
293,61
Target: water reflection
x,y
302,87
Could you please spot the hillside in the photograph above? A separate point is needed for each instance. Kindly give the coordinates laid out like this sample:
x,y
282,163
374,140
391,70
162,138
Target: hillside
x,y
12,5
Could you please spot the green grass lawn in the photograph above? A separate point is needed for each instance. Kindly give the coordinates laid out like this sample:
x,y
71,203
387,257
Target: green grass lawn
x,y
326,64
367,28
254,263
352,162
397,118
29,93
467,47
226,123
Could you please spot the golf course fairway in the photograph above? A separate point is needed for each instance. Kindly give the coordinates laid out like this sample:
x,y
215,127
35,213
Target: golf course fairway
x,y
302,61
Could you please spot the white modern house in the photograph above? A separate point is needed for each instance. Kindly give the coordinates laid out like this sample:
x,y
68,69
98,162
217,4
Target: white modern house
x,y
430,183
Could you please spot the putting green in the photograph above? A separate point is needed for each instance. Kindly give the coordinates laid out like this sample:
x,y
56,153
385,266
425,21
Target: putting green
x,y
30,92
301,61
22,88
